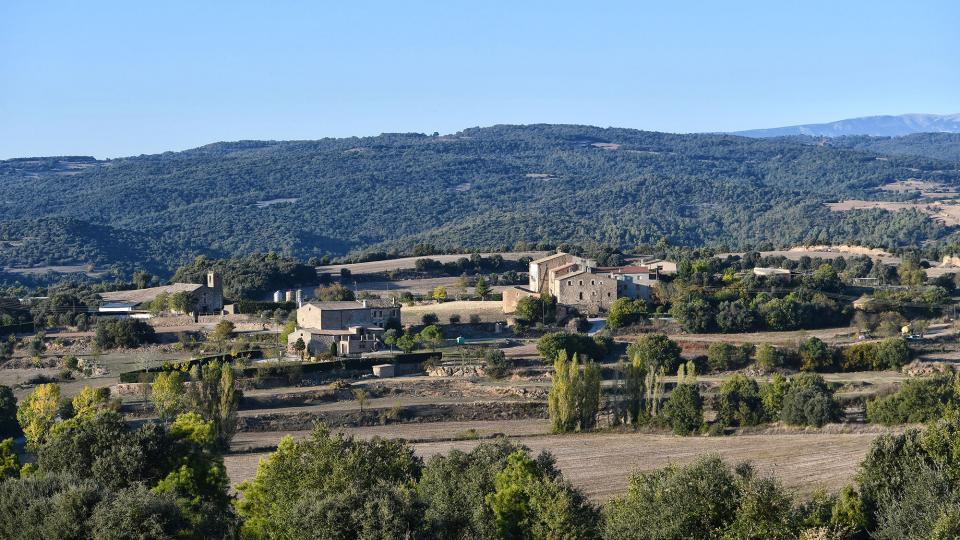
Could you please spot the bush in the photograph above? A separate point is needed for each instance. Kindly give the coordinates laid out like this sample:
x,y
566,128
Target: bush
x,y
429,318
654,351
738,402
808,402
495,363
128,333
768,357
815,355
891,353
626,312
684,409
474,318
918,400
454,319
550,345
725,356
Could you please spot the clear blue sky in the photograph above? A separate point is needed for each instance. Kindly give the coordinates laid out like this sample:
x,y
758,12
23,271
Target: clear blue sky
x,y
112,78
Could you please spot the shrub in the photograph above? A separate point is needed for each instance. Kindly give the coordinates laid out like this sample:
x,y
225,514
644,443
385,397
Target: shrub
x,y
738,402
891,353
454,318
726,356
550,345
918,400
684,409
113,333
768,357
429,318
626,312
495,363
654,351
808,402
815,355
474,318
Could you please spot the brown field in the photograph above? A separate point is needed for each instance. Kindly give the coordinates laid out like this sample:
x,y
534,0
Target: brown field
x,y
420,286
489,311
600,463
407,263
947,213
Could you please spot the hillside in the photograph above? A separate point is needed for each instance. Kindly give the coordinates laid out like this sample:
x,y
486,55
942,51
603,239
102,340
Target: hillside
x,y
945,146
482,188
878,126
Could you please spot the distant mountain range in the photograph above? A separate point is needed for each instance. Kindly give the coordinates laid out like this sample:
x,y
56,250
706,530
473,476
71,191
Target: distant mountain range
x,y
877,126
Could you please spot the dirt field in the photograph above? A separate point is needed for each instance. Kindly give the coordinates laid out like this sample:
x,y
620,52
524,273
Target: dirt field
x,y
489,311
419,286
601,463
944,211
408,263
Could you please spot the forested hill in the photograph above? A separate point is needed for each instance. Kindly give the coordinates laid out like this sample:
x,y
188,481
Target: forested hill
x,y
483,188
945,146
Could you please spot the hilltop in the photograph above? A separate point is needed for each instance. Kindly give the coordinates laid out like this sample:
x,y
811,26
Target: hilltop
x,y
878,126
482,188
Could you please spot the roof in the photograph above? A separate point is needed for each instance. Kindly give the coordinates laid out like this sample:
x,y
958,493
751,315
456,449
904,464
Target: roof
x,y
351,304
549,257
625,269
353,330
561,270
139,296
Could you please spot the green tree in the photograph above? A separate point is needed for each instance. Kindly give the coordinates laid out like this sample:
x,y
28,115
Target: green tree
x,y
808,402
406,342
168,395
8,413
653,351
683,410
222,332
626,312
300,347
767,357
815,355
181,302
137,512
738,402
496,364
431,336
439,294
551,345
214,396
481,289
9,462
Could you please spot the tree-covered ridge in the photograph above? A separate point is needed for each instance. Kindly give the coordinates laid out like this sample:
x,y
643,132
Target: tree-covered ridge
x,y
482,188
945,146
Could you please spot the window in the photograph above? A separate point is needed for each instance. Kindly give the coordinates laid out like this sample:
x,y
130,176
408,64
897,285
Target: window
x,y
570,282
592,282
581,295
608,295
581,283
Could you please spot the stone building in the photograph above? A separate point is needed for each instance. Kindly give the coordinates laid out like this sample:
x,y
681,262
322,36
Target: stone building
x,y
205,298
350,327
579,283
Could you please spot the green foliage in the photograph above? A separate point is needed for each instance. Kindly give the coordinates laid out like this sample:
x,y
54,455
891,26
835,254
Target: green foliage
x,y
318,487
431,336
37,413
724,356
767,357
626,312
683,410
531,310
249,276
815,355
168,395
123,333
574,398
495,363
551,345
917,400
706,499
738,402
655,351
9,462
215,398
8,413
808,402
891,353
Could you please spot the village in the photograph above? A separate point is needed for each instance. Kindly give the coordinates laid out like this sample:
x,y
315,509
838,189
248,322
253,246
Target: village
x,y
445,362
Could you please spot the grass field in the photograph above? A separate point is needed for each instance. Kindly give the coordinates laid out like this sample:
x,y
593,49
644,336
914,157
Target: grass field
x,y
489,311
600,463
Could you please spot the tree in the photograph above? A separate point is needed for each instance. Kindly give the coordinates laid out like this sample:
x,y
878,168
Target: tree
x,y
181,302
222,332
439,294
137,512
300,347
38,412
551,345
684,409
214,396
390,337
725,356
808,402
626,312
8,413
88,402
653,351
496,364
481,289
168,395
528,503
767,357
127,333
574,397
815,355
693,312
738,402
432,336
9,462
141,279
329,497
360,395
407,342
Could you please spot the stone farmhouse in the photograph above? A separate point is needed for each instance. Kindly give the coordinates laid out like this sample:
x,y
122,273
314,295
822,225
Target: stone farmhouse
x,y
348,328
206,298
579,283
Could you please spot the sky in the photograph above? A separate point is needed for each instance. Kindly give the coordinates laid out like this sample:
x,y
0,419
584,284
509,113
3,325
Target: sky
x,y
121,78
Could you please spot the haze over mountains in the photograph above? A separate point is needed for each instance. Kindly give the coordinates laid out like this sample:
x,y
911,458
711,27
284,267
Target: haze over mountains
x,y
482,188
877,126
